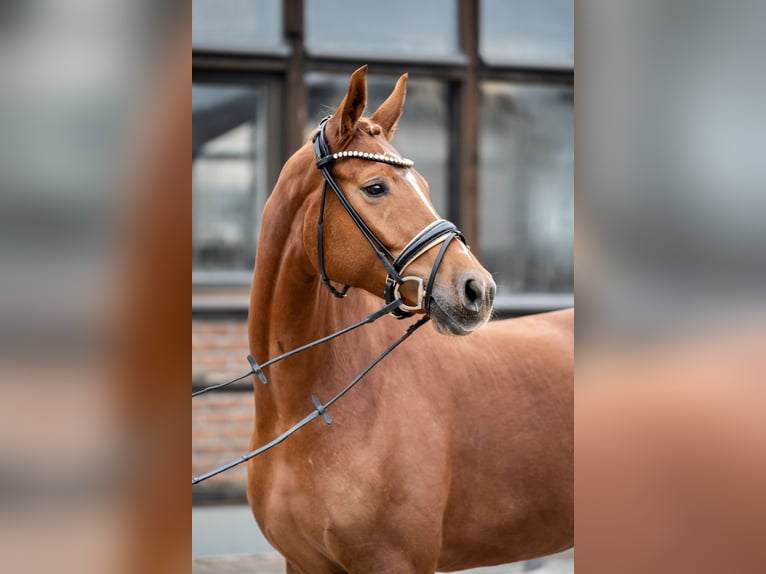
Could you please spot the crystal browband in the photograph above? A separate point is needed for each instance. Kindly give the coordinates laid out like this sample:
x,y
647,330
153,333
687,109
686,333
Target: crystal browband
x,y
381,157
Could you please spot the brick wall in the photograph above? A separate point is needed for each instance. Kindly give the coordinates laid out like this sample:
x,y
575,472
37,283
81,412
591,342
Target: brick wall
x,y
219,348
222,421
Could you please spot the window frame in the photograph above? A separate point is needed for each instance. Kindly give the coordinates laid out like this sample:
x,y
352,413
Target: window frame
x,y
463,73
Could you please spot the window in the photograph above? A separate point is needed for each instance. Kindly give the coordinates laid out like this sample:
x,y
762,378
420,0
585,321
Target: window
x,y
526,148
527,187
392,28
237,24
535,33
266,72
228,178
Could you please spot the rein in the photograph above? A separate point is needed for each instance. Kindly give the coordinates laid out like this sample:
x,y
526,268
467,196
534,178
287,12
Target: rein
x,y
439,231
319,408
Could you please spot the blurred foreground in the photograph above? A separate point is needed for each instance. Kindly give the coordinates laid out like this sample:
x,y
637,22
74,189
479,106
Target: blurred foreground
x,y
94,303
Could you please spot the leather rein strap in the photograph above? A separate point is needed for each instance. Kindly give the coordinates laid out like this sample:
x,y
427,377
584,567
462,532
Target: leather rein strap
x,y
439,231
319,408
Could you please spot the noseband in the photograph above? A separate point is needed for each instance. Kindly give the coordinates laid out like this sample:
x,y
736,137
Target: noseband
x,y
439,231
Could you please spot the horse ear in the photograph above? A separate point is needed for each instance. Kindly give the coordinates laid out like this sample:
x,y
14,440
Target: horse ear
x,y
390,111
350,110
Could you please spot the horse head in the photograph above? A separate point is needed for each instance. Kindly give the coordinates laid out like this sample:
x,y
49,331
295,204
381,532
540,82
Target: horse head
x,y
392,200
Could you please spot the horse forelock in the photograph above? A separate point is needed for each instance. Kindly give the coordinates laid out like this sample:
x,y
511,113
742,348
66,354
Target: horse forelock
x,y
364,127
367,126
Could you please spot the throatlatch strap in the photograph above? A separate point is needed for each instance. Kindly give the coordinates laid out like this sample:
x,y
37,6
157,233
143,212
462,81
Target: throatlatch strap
x,y
320,250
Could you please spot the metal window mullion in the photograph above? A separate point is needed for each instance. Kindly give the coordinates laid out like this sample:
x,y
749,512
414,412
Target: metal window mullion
x,y
468,126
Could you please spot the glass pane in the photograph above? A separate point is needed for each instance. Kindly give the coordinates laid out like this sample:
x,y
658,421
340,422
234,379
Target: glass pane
x,y
236,24
401,27
527,187
421,135
536,32
228,175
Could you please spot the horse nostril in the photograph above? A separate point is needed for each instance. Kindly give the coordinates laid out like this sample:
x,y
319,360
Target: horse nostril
x,y
472,294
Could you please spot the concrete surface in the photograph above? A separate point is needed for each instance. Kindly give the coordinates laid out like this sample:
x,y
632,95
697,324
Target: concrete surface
x,y
226,540
273,563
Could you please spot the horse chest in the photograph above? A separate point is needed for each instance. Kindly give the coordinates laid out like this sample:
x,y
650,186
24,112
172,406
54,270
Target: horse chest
x,y
304,498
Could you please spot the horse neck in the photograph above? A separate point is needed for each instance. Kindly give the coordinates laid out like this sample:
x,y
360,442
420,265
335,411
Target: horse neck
x,y
289,307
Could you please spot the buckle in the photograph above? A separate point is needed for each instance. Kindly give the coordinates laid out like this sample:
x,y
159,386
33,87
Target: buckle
x,y
421,294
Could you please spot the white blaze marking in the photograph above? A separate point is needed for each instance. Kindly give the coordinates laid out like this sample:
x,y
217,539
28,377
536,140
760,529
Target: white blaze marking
x,y
414,183
463,249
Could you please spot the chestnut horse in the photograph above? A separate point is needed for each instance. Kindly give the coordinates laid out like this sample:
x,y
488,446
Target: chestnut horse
x,y
455,451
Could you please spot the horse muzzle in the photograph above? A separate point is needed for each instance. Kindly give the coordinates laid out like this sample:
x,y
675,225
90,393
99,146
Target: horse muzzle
x,y
465,306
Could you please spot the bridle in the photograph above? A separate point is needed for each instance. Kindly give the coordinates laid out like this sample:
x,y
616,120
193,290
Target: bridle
x,y
438,232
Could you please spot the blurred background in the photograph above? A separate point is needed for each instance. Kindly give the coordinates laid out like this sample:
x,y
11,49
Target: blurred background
x,y
488,120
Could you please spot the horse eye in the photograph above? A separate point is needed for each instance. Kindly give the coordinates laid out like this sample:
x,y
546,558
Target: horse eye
x,y
374,190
